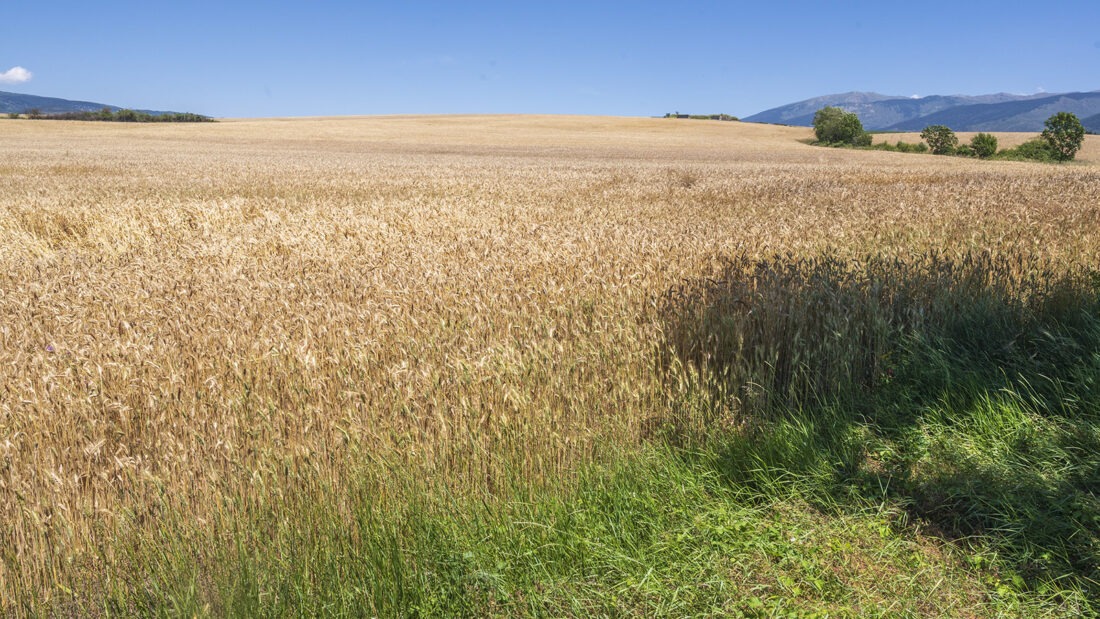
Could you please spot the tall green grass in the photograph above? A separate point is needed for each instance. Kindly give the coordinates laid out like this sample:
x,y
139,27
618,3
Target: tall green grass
x,y
660,532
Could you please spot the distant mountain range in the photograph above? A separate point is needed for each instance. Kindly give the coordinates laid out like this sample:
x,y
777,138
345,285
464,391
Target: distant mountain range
x,y
999,112
19,103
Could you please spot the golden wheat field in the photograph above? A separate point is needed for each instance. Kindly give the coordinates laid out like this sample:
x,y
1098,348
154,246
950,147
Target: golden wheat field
x,y
194,316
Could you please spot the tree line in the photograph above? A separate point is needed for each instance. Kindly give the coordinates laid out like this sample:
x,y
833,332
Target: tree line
x,y
1062,137
123,116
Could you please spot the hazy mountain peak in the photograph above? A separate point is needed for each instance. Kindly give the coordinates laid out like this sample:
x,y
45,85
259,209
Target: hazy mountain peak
x,y
993,112
19,103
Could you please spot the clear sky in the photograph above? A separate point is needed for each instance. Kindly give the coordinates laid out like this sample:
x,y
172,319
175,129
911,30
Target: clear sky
x,y
618,58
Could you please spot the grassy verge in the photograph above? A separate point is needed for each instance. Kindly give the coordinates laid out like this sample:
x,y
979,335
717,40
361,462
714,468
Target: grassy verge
x,y
660,533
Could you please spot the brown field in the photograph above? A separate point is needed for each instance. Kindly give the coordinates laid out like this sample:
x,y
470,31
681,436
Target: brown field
x,y
195,317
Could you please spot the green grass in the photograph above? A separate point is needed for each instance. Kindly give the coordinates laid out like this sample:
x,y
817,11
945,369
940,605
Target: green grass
x,y
734,527
871,437
659,533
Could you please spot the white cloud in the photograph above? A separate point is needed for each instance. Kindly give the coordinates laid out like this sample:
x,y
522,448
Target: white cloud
x,y
15,75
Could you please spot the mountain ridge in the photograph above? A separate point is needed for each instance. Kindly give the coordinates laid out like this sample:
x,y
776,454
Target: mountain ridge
x,y
18,103
993,112
1092,123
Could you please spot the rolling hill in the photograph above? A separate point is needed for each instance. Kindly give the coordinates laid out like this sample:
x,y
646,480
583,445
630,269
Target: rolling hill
x,y
997,112
19,103
1092,123
1024,115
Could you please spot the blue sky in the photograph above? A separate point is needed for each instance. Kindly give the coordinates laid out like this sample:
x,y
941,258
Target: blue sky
x,y
617,58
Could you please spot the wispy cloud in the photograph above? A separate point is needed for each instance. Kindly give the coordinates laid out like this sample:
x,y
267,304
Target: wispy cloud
x,y
15,75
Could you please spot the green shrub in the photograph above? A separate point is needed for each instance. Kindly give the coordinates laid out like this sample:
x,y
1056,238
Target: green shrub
x,y
1036,149
833,125
906,147
1065,134
984,145
964,150
941,140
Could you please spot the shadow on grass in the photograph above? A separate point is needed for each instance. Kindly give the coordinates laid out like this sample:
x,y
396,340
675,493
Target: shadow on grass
x,y
963,387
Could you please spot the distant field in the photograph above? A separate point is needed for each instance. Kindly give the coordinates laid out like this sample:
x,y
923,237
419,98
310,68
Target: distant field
x,y
207,331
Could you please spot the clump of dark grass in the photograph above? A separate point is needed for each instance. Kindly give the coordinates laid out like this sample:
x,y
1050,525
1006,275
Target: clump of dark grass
x,y
794,330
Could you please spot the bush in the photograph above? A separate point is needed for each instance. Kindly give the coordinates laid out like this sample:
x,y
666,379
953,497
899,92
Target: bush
x,y
833,125
984,145
941,140
965,151
1036,149
900,147
1064,133
906,147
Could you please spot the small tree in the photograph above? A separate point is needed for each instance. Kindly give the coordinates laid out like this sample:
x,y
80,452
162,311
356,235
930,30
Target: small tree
x,y
833,125
34,113
940,139
1065,133
984,145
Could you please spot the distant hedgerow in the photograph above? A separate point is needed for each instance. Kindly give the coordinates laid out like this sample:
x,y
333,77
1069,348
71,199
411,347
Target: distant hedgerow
x,y
1035,149
126,116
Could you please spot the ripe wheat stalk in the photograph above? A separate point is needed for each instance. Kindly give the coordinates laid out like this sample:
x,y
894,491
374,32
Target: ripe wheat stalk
x,y
196,318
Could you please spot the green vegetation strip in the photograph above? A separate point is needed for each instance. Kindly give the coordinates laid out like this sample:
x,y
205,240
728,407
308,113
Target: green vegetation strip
x,y
1060,140
121,116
